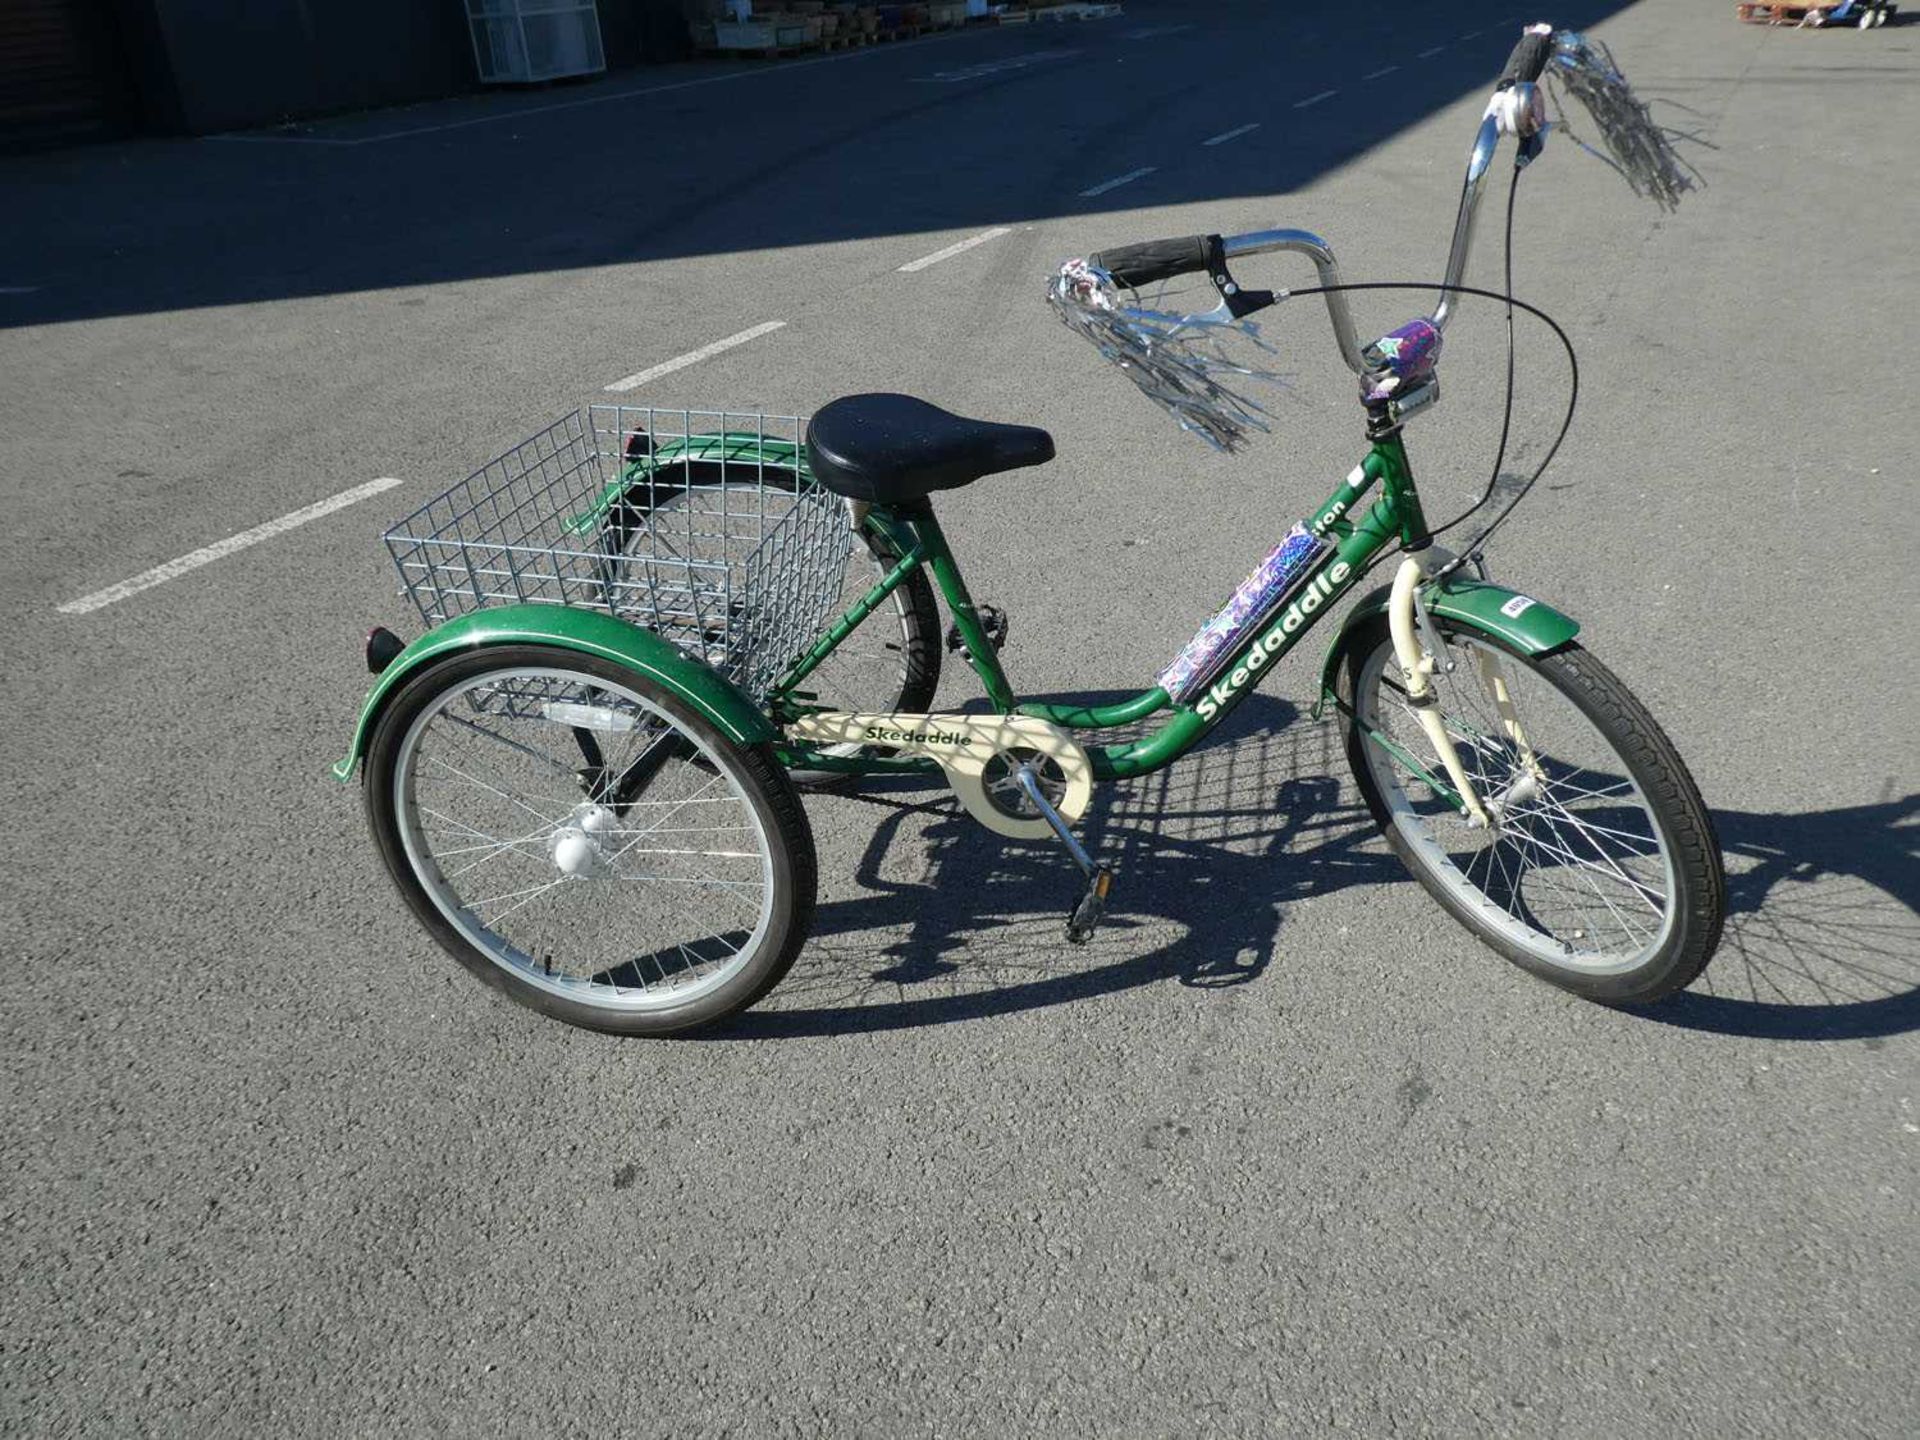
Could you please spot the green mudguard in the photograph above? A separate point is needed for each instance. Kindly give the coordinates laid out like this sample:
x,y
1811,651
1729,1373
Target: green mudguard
x,y
590,633
729,447
1531,626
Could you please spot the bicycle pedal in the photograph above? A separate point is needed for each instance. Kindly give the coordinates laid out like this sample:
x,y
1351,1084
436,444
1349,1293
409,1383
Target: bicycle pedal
x,y
1084,918
993,621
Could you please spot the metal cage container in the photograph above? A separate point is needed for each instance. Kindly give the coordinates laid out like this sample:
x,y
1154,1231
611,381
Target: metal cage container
x,y
703,526
524,41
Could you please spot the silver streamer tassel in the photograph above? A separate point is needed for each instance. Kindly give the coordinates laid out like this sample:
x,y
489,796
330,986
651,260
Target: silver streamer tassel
x,y
1177,360
1635,145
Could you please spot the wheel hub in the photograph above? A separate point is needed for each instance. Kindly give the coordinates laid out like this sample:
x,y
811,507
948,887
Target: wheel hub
x,y
578,848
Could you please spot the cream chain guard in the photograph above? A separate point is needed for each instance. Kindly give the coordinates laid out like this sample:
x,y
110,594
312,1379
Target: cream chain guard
x,y
964,746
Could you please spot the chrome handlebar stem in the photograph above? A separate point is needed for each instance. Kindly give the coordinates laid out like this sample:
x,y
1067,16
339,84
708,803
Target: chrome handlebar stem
x,y
1516,110
1478,163
1519,111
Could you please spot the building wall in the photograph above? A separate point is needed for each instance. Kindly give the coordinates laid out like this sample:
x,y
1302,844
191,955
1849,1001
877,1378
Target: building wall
x,y
63,74
238,65
85,69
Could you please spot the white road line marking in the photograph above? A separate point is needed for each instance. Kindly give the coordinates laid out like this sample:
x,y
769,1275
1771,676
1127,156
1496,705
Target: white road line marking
x,y
1383,70
1118,181
1222,138
785,67
1473,35
1429,54
956,248
284,140
206,555
993,67
18,289
693,357
1315,99
1154,32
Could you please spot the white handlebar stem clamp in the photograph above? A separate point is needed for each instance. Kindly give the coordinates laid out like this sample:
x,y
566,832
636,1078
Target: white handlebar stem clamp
x,y
1519,110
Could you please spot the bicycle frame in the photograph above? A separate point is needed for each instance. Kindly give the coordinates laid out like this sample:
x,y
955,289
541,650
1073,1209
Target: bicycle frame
x,y
915,536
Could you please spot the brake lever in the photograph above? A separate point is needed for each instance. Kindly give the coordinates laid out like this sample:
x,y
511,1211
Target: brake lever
x,y
1236,302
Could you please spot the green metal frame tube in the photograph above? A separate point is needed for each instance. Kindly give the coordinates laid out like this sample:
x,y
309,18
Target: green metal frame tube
x,y
981,654
1396,485
916,535
849,622
1099,717
1357,542
802,757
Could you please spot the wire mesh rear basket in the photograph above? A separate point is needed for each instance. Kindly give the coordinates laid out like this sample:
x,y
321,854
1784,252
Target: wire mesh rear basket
x,y
704,526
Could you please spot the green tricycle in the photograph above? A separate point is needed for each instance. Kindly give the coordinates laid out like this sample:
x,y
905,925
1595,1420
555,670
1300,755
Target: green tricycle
x,y
648,629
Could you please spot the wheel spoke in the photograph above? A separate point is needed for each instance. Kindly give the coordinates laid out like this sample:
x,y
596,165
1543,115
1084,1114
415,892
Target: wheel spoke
x,y
1577,873
1586,872
494,790
469,793
1607,866
1531,812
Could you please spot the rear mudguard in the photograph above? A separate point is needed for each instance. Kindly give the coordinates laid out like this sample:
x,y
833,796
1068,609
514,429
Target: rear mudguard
x,y
1531,626
587,632
741,448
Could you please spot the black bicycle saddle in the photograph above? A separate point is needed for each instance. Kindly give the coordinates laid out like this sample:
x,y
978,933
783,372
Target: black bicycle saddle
x,y
891,449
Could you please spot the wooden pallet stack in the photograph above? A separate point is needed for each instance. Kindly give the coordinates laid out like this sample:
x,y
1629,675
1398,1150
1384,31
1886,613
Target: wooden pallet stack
x,y
1022,13
802,26
1866,14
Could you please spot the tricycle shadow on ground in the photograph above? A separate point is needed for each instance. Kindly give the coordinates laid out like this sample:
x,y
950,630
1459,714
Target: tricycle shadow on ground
x,y
1823,927
1210,849
1822,939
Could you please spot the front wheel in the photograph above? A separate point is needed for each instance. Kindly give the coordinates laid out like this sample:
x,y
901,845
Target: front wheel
x,y
1601,872
581,839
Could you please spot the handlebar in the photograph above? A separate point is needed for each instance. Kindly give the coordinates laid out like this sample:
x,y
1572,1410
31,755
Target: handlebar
x,y
1514,109
1305,242
1154,260
1529,57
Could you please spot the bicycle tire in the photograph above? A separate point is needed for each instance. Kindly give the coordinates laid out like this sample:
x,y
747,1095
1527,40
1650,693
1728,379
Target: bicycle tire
x,y
1655,781
604,983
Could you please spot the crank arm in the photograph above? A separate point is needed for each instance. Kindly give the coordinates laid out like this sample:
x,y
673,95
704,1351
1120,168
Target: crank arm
x,y
1084,918
1052,816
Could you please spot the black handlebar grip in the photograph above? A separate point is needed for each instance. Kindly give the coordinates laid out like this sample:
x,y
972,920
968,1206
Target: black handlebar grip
x,y
1137,265
1529,57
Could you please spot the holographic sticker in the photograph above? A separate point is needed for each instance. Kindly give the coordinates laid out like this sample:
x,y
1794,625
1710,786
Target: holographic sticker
x,y
1407,356
1252,605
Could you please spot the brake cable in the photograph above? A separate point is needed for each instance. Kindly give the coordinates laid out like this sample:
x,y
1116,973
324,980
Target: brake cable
x,y
1512,303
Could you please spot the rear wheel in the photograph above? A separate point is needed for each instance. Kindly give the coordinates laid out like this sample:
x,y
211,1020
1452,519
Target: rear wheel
x,y
584,841
1602,873
890,663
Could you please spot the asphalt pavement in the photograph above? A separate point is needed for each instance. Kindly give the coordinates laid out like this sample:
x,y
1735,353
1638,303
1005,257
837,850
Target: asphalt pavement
x,y
1283,1150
